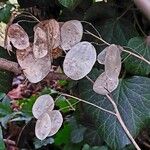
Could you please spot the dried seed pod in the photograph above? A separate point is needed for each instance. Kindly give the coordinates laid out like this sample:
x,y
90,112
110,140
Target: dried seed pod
x,y
43,104
105,85
40,45
57,120
18,36
101,56
71,34
43,126
113,61
79,60
34,69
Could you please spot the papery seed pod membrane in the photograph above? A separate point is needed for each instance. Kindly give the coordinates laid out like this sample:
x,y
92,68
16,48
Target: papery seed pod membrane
x,y
43,126
34,69
113,61
71,34
57,120
18,36
43,104
79,60
105,85
40,45
101,56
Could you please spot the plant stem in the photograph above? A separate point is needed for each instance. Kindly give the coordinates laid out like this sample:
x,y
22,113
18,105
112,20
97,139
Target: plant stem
x,y
129,52
122,123
84,101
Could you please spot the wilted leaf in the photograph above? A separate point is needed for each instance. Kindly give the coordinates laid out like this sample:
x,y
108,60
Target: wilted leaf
x,y
101,56
34,69
79,60
71,34
43,126
134,65
113,61
40,45
18,36
56,120
104,84
43,104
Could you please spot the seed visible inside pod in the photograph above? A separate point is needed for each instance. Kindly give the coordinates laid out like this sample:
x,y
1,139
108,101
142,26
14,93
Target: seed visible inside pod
x,y
79,60
71,34
43,126
43,104
18,36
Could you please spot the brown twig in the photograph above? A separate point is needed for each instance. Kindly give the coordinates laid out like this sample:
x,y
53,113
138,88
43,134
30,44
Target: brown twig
x,y
14,67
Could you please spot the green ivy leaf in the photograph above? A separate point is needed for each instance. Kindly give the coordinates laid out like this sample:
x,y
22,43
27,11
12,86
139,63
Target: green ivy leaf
x,y
133,99
2,145
71,4
135,65
87,147
117,31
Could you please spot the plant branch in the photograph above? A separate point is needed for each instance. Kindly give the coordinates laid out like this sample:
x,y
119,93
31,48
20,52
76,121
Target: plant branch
x,y
84,101
14,67
122,123
129,52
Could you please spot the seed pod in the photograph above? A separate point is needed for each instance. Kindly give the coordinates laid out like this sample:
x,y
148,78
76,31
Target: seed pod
x,y
105,85
43,104
43,126
18,36
113,61
57,120
34,69
79,60
101,56
71,34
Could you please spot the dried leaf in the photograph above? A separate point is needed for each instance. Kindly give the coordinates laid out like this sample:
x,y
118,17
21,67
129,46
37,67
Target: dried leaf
x,y
43,126
2,33
113,61
104,85
57,120
101,56
34,69
71,34
40,45
79,60
43,104
18,36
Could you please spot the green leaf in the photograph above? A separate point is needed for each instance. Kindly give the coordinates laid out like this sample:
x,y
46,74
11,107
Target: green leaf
x,y
87,147
5,13
2,145
135,65
133,99
71,4
117,31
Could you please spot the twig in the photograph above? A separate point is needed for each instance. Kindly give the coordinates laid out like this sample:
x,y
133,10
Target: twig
x,y
122,123
129,52
84,101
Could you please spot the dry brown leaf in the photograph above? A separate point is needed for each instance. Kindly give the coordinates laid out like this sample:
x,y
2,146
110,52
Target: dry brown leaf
x,y
43,126
43,104
105,85
18,36
79,60
34,69
113,61
57,120
71,34
40,45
